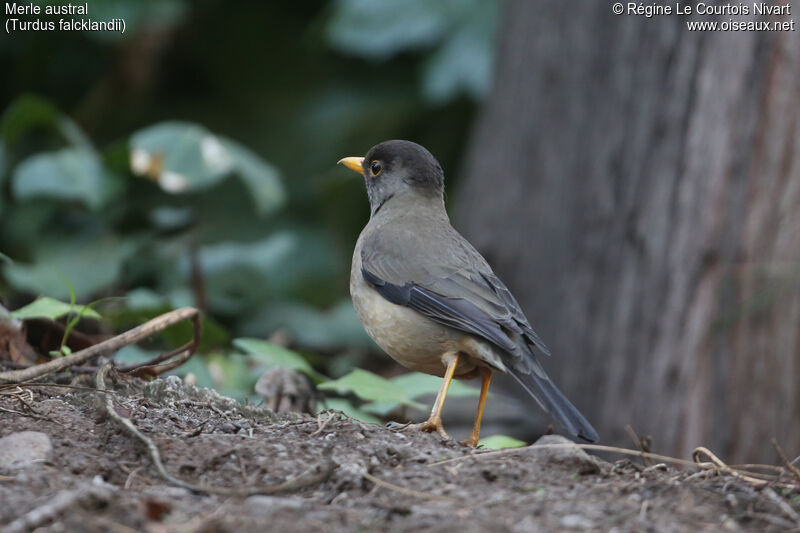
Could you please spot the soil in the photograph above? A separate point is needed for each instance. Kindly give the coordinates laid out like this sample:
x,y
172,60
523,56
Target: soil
x,y
353,476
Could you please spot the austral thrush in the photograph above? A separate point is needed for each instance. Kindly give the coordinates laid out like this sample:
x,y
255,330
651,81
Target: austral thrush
x,y
430,300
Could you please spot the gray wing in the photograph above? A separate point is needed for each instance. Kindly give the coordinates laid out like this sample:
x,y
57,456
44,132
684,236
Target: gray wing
x,y
437,273
454,286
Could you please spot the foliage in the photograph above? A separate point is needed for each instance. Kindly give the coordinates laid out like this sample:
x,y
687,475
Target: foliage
x,y
45,307
498,442
457,34
168,169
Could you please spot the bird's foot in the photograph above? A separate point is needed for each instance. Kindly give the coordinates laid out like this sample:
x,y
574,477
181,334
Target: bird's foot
x,y
429,426
471,441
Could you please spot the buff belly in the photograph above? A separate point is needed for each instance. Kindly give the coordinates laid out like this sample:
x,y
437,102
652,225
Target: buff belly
x,y
414,341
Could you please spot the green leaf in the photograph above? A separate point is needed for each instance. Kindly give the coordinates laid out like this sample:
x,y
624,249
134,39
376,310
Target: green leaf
x,y
261,178
232,374
90,265
381,409
371,387
51,308
403,24
336,328
273,355
183,157
186,157
29,112
417,384
498,442
25,113
67,174
461,34
464,62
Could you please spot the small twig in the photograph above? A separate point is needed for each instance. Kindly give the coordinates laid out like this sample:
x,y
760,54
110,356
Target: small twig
x,y
104,348
5,386
133,474
409,492
715,465
12,411
640,444
321,424
598,447
718,465
33,413
793,469
314,475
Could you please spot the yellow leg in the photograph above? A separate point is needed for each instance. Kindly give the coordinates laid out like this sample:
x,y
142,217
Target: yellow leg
x,y
434,422
486,378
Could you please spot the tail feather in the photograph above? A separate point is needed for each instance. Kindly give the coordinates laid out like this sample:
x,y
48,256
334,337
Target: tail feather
x,y
556,404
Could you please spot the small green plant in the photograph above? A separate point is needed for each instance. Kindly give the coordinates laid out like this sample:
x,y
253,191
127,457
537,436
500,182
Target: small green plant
x,y
50,308
499,442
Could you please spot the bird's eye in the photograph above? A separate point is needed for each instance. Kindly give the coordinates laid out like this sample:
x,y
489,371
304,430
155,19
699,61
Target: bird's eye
x,y
375,167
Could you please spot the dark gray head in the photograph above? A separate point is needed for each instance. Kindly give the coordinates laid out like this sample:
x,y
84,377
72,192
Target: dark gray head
x,y
394,167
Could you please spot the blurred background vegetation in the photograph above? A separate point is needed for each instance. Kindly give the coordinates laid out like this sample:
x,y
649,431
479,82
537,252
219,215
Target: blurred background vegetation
x,y
634,183
191,161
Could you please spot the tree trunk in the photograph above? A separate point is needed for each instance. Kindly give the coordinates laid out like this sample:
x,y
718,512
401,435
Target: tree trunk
x,y
637,186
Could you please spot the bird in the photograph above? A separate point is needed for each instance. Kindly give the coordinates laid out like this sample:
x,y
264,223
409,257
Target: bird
x,y
431,301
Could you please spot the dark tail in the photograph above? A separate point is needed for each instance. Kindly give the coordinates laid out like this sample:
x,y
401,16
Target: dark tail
x,y
556,404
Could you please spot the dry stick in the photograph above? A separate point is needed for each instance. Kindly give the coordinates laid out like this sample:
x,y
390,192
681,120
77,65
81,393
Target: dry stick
x,y
794,470
716,465
598,447
312,476
6,386
103,348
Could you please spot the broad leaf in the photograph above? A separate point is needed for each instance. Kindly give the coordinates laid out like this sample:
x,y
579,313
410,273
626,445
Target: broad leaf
x,y
371,387
498,442
29,112
51,308
417,384
378,29
90,265
66,174
464,62
335,328
184,157
273,355
261,178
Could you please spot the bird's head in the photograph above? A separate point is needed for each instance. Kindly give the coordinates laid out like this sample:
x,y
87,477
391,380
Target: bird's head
x,y
398,168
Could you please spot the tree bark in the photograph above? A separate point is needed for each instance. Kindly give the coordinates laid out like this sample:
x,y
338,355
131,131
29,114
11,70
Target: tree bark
x,y
637,186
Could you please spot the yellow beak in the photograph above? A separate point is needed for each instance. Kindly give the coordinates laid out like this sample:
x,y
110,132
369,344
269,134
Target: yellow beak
x,y
353,163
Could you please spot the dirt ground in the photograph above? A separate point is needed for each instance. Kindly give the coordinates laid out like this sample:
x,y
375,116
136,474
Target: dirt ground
x,y
352,476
